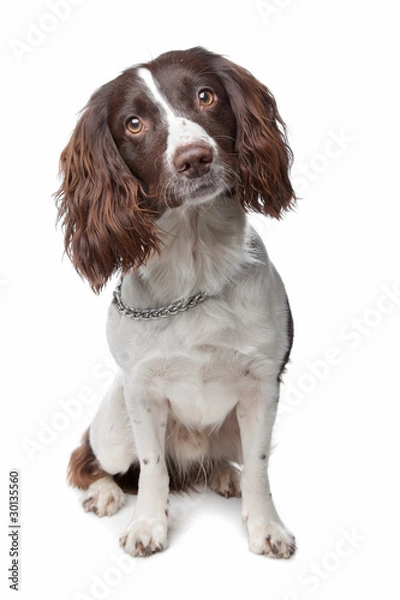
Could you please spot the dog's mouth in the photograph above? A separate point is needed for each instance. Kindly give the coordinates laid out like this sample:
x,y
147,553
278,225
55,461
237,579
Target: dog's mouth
x,y
202,186
197,190
194,191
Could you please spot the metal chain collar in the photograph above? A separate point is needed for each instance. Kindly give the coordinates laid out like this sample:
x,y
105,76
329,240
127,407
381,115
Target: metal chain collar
x,y
156,313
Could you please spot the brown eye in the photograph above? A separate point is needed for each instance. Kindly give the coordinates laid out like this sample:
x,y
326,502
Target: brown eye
x,y
206,98
134,125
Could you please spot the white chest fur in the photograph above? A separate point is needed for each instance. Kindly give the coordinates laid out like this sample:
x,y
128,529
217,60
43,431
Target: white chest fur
x,y
194,362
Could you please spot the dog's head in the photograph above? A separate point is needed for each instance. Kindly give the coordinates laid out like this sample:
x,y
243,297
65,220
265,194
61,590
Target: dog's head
x,y
183,128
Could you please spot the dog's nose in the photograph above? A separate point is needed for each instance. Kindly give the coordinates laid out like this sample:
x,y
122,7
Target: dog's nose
x,y
193,160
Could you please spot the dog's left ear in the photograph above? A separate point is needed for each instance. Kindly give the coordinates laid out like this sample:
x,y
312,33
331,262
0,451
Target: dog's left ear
x,y
261,142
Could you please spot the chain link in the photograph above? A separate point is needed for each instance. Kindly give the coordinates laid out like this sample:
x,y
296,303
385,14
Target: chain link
x,y
156,313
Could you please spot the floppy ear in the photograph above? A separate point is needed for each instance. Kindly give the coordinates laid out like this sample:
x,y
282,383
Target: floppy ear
x,y
261,143
101,204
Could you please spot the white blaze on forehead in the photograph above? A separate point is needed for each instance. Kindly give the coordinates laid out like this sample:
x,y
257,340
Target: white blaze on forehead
x,y
147,77
181,131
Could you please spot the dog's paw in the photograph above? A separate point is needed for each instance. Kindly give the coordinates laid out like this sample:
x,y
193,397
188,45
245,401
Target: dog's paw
x,y
271,539
225,481
103,497
145,537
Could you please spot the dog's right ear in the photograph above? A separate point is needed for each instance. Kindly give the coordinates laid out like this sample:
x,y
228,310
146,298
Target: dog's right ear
x,y
100,203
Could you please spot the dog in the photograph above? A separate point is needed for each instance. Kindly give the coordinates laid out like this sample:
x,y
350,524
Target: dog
x,y
157,179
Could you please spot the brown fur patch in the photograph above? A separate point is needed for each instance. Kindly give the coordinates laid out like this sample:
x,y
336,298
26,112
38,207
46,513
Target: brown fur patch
x,y
83,467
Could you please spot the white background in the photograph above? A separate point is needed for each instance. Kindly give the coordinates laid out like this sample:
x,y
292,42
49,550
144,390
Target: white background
x,y
333,67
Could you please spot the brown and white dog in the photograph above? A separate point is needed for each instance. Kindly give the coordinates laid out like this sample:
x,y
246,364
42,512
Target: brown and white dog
x,y
158,175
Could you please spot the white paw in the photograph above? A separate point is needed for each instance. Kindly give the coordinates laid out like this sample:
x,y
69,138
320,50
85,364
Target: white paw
x,y
271,539
103,497
225,481
145,537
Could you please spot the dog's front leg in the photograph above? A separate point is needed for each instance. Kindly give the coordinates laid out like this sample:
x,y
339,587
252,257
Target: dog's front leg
x,y
147,532
256,416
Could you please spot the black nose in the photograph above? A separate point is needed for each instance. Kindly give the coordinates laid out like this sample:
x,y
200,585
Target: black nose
x,y
193,160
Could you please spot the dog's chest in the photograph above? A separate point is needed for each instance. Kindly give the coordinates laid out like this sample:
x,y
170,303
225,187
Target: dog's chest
x,y
201,370
202,385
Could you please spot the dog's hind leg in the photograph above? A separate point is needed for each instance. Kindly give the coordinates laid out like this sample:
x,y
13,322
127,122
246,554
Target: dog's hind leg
x,y
107,451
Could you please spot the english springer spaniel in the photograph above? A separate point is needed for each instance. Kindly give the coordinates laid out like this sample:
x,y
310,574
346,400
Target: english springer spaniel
x,y
158,175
